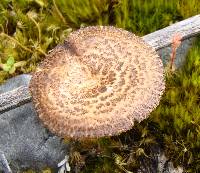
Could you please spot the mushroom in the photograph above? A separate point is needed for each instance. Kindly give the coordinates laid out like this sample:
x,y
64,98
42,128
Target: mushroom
x,y
98,83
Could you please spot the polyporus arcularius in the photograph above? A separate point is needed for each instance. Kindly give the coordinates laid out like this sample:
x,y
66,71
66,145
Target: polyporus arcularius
x,y
97,83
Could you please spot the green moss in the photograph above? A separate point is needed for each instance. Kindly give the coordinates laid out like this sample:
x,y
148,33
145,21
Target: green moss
x,y
29,29
117,154
179,113
173,126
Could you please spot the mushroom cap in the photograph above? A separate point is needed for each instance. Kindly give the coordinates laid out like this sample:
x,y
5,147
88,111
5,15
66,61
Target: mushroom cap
x,y
97,83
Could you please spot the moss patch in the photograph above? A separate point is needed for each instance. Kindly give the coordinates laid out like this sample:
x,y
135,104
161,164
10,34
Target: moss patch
x,y
29,29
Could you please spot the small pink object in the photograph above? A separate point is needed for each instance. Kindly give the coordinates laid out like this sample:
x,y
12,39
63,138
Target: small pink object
x,y
176,41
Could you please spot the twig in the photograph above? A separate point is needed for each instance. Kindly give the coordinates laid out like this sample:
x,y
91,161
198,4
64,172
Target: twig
x,y
41,51
14,98
59,13
4,163
16,41
38,27
22,46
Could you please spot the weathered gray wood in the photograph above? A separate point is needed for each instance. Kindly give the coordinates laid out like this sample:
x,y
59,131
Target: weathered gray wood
x,y
4,163
162,38
14,98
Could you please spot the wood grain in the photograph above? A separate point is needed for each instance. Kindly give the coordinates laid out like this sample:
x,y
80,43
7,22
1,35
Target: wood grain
x,y
162,38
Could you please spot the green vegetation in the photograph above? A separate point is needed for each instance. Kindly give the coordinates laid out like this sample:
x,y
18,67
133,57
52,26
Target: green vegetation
x,y
178,115
120,154
174,126
30,28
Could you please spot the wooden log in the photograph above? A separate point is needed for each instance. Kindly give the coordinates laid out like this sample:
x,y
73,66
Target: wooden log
x,y
4,163
14,98
162,38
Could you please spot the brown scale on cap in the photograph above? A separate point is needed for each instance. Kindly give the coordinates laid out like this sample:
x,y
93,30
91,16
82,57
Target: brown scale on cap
x,y
97,83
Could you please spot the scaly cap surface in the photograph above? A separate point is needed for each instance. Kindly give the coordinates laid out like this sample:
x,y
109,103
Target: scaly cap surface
x,y
97,83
